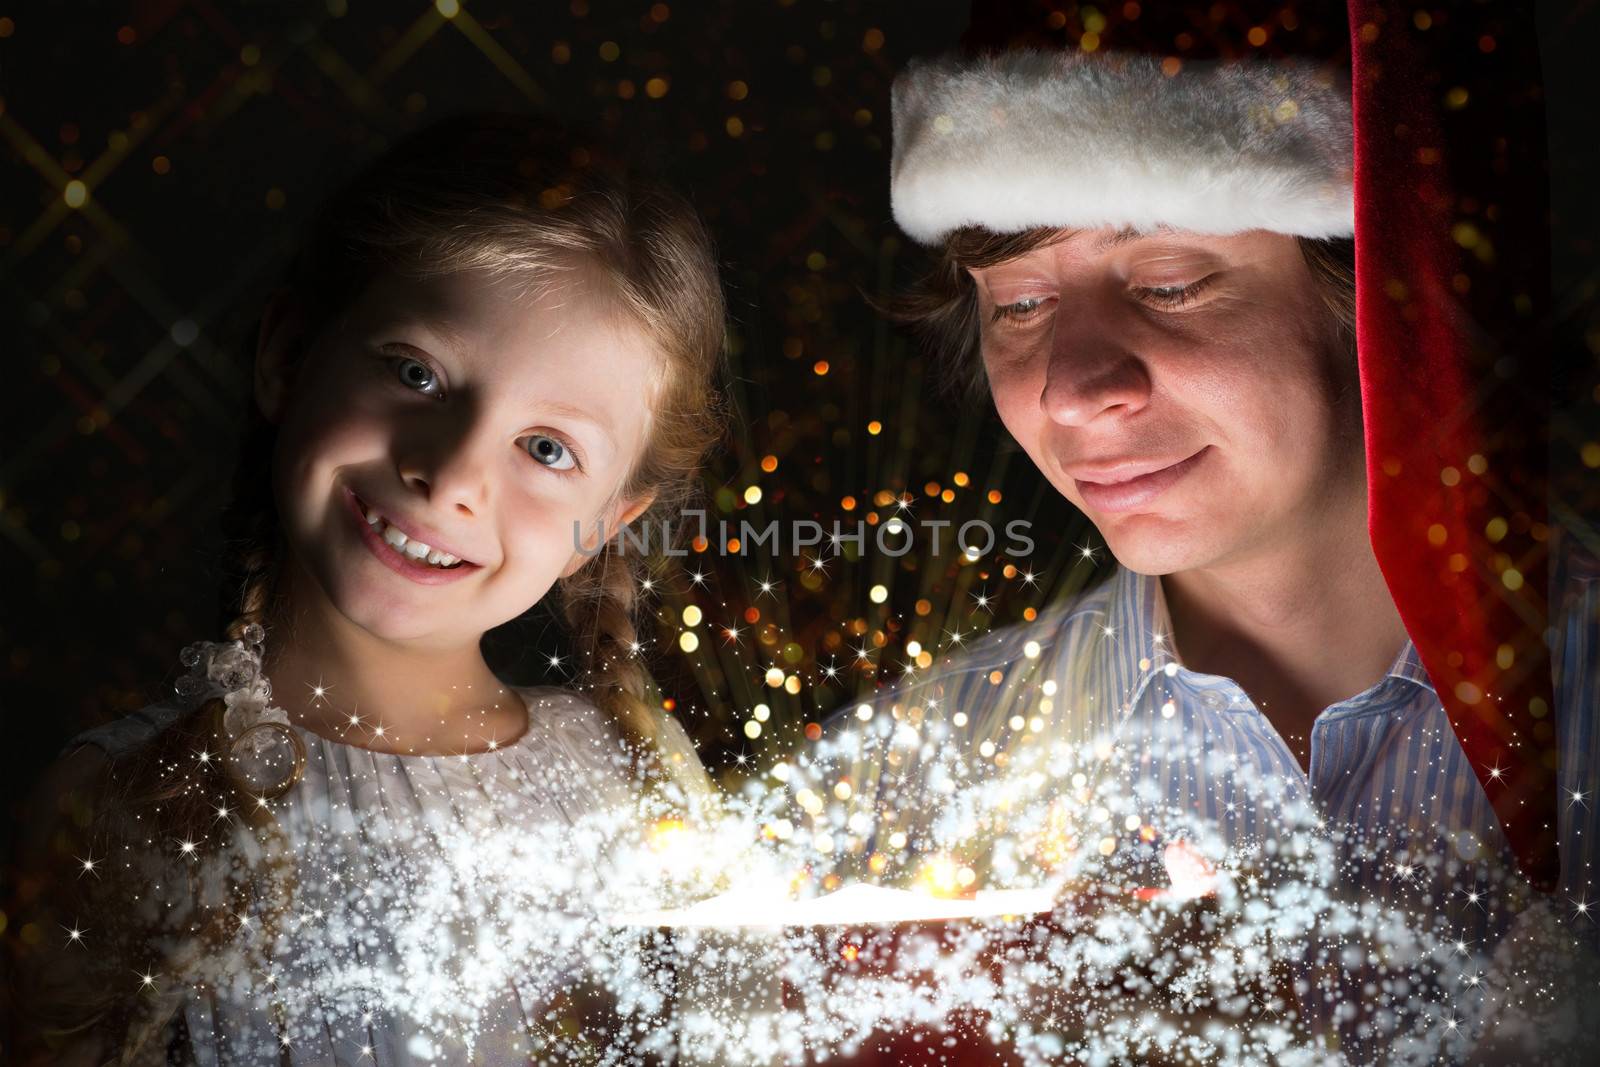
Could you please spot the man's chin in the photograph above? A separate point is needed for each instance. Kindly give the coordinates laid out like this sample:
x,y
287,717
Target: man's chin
x,y
1156,548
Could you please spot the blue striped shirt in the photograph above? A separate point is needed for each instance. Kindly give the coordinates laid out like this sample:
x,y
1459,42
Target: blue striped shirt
x,y
1385,763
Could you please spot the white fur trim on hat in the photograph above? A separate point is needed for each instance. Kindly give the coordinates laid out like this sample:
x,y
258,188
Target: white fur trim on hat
x,y
1024,139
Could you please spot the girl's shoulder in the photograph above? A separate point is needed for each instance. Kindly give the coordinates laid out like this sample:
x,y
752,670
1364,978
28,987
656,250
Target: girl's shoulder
x,y
573,724
121,736
73,782
561,705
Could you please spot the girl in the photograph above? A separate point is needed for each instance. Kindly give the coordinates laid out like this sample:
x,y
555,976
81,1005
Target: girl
x,y
327,847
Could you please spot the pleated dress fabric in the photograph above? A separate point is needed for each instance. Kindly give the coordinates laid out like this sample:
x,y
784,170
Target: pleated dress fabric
x,y
441,904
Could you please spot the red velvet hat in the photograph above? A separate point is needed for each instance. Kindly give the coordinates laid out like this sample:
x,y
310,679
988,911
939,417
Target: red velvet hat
x,y
1420,135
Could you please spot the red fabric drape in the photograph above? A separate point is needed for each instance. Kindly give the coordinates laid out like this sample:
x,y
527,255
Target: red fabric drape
x,y
1446,376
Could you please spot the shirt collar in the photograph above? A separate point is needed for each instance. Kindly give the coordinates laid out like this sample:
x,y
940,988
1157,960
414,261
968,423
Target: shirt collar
x,y
1408,667
1137,636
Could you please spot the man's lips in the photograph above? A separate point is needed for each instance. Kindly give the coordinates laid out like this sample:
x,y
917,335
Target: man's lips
x,y
397,561
1128,484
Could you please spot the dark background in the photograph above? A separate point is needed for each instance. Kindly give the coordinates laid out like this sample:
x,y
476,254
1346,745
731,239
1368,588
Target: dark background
x,y
204,133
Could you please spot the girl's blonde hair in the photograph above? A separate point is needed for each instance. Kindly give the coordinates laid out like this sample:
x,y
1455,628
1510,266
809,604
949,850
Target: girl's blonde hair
x,y
519,197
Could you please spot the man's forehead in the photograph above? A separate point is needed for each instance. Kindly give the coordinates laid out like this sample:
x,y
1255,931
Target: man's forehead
x,y
1125,235
1085,242
1106,238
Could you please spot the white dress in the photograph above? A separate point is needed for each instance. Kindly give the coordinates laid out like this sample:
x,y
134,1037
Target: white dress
x,y
444,908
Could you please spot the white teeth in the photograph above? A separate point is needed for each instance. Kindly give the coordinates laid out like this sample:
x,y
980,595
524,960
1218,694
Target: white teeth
x,y
414,549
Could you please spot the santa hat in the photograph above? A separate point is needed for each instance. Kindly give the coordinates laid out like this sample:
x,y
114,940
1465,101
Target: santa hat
x,y
1015,140
1314,125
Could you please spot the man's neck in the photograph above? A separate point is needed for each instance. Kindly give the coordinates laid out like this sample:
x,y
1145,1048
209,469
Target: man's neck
x,y
1299,625
342,682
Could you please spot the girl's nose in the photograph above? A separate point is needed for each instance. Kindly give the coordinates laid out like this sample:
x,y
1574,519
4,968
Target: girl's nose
x,y
1091,377
451,474
445,488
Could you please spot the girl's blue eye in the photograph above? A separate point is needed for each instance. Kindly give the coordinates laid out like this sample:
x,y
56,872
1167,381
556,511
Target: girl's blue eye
x,y
550,452
417,375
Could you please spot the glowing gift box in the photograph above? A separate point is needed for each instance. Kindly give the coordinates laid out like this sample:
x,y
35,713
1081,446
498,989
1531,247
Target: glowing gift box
x,y
851,953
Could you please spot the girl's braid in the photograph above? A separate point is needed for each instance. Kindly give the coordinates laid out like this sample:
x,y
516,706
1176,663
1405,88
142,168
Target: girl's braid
x,y
253,550
600,603
168,788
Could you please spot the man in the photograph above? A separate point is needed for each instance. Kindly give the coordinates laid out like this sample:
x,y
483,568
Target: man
x,y
1148,263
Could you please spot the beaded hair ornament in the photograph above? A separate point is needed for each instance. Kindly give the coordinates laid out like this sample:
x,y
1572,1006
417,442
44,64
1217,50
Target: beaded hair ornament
x,y
261,753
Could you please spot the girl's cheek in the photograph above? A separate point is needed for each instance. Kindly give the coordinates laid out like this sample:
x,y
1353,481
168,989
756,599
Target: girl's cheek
x,y
541,525
339,440
342,404
345,385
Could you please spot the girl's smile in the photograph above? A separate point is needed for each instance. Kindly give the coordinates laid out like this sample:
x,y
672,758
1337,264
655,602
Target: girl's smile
x,y
431,566
462,425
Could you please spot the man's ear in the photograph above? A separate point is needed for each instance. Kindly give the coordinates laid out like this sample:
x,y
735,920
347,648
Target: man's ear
x,y
632,511
279,346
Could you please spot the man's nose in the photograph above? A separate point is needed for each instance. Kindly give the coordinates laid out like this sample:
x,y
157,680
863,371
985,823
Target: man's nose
x,y
1091,376
449,462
